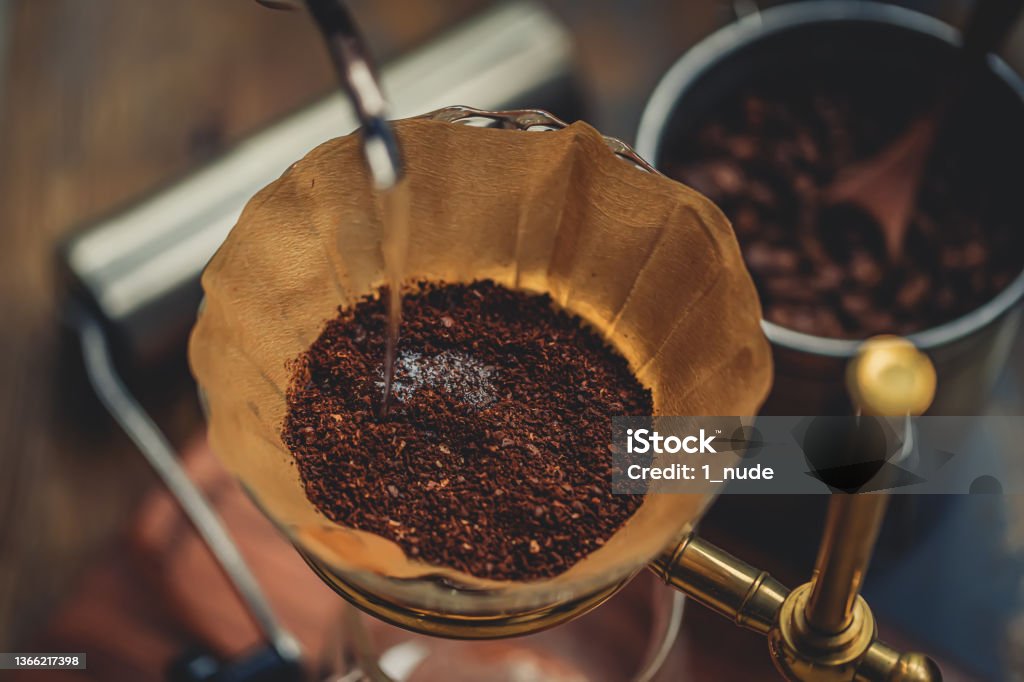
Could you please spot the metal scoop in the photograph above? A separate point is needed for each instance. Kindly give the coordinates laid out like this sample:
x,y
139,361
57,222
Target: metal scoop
x,y
886,186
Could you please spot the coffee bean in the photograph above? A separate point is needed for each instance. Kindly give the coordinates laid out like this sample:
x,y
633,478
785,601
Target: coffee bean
x,y
914,291
767,259
742,147
865,269
745,220
828,278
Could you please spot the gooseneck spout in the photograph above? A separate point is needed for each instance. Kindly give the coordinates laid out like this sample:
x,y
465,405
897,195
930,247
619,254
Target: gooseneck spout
x,y
357,73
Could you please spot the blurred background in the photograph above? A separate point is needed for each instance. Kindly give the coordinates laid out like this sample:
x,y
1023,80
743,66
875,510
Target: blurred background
x,y
105,102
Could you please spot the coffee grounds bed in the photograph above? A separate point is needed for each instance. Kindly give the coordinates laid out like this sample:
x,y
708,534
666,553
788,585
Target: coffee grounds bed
x,y
494,455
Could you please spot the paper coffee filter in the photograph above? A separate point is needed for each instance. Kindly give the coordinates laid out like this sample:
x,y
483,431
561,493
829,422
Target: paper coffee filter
x,y
652,265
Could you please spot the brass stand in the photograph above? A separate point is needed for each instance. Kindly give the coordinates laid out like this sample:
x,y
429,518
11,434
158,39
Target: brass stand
x,y
822,631
753,599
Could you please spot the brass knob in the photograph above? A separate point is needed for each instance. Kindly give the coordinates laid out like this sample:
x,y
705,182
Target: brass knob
x,y
913,667
890,377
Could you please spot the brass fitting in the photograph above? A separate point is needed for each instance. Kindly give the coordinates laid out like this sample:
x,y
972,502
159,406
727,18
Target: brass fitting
x,y
753,599
801,653
890,377
823,631
748,596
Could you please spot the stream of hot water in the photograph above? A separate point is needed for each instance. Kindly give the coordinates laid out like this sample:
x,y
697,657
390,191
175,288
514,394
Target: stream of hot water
x,y
395,247
357,77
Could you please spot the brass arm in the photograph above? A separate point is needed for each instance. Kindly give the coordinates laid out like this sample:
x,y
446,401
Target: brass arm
x,y
746,595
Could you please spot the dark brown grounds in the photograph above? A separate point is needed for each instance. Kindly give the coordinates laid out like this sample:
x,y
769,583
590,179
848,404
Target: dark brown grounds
x,y
494,457
767,154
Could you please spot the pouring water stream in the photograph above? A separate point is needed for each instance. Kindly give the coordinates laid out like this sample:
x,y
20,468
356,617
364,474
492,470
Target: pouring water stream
x,y
358,77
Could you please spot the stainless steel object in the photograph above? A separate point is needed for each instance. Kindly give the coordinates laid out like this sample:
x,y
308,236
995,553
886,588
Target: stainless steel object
x,y
969,352
139,269
357,73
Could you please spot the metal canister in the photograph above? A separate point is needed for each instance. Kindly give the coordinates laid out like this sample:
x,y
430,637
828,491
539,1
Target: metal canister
x,y
969,352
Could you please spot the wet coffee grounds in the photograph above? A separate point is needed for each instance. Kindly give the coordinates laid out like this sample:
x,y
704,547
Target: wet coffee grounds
x,y
494,456
767,154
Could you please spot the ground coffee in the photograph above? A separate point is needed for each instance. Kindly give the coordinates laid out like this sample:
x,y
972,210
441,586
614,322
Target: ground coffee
x,y
494,457
767,154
